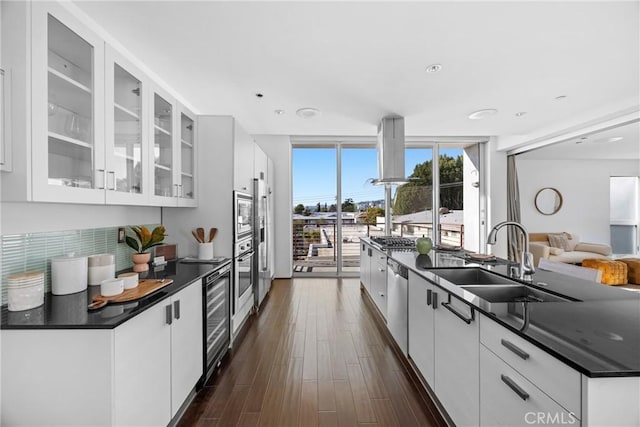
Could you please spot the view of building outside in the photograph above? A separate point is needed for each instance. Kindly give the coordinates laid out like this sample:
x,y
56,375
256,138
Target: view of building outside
x,y
316,248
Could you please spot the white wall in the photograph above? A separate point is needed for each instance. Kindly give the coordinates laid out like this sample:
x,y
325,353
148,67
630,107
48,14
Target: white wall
x,y
494,172
278,148
584,185
30,217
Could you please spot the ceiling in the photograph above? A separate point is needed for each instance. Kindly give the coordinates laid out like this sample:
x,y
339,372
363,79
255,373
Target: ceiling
x,y
359,61
603,145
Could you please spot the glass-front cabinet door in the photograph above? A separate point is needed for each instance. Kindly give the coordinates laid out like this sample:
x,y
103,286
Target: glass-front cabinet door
x,y
127,135
165,189
68,109
187,152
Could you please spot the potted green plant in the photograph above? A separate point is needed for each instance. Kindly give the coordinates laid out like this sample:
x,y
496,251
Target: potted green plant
x,y
141,242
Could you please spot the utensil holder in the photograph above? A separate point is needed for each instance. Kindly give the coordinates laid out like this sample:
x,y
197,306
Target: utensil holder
x,y
205,250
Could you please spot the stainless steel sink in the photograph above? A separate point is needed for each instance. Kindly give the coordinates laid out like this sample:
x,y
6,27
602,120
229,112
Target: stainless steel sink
x,y
472,276
513,293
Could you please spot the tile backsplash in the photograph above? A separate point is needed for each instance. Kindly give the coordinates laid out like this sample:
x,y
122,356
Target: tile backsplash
x,y
33,251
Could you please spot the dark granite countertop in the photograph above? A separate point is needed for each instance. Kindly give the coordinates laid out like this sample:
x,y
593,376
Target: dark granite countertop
x,y
70,311
598,335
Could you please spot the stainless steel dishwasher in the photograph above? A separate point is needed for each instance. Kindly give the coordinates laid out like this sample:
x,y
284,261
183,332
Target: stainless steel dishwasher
x,y
397,302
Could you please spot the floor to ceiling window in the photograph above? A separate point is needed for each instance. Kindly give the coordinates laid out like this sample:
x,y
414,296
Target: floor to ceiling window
x,y
335,203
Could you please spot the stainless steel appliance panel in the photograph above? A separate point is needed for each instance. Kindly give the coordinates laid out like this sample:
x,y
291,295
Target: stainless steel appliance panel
x,y
397,303
243,215
217,318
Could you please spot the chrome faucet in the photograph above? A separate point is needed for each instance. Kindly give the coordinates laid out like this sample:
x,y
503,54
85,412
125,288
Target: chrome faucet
x,y
526,259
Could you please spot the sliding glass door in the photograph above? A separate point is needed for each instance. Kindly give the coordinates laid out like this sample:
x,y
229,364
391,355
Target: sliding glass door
x,y
335,204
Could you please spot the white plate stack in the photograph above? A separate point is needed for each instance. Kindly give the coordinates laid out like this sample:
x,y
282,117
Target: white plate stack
x,y
25,290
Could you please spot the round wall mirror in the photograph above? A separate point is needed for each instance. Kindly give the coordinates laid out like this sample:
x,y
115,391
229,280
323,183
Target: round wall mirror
x,y
548,201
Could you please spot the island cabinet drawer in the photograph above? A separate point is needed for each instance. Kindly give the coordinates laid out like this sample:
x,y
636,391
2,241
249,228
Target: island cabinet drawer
x,y
556,379
509,399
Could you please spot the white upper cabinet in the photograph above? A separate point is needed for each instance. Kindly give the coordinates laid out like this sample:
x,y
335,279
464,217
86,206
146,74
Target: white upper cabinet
x,y
186,152
87,125
243,159
67,108
126,132
163,156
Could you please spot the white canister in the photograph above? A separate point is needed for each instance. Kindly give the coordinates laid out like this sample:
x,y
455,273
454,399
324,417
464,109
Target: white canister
x,y
25,291
101,267
205,250
111,287
68,274
130,279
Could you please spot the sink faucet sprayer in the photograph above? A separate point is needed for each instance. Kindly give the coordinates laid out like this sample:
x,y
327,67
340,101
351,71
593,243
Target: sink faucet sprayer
x,y
526,259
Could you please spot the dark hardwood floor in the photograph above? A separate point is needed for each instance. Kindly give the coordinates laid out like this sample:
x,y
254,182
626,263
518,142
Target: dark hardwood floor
x,y
313,357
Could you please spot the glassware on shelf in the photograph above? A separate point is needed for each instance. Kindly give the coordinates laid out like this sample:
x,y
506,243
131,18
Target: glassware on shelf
x,y
72,126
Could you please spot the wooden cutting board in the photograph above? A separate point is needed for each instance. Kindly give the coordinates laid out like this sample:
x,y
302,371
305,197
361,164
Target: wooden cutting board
x,y
144,288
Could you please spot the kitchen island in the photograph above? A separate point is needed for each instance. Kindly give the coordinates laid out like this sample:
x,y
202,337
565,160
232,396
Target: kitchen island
x,y
133,363
588,343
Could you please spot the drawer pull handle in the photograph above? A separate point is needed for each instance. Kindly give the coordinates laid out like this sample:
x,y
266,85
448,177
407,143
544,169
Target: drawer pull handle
x,y
168,314
461,316
429,293
176,309
434,300
515,387
519,352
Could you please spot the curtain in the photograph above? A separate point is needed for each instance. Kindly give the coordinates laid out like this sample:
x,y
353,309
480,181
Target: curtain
x,y
513,210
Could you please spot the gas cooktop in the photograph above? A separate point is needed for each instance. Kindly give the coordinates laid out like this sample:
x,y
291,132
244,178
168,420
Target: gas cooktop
x,y
394,242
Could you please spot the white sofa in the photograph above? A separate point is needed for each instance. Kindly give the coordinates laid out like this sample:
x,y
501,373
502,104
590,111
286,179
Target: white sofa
x,y
540,247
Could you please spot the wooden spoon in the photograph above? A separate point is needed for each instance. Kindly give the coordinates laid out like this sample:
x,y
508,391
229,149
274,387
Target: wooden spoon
x,y
196,236
212,234
200,232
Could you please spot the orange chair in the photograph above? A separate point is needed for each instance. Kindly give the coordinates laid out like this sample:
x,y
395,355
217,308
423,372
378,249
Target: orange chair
x,y
633,269
613,272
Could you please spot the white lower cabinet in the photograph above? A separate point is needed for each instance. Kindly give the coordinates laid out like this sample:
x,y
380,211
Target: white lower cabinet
x,y
456,345
421,326
142,362
138,374
509,399
365,266
186,344
378,291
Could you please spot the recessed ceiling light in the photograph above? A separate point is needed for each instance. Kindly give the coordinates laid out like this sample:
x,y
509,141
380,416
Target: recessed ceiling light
x,y
259,95
481,114
520,113
434,68
579,142
558,98
279,112
615,138
307,112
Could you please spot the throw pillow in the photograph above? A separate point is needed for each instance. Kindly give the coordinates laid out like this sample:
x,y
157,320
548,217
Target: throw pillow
x,y
555,251
559,241
573,242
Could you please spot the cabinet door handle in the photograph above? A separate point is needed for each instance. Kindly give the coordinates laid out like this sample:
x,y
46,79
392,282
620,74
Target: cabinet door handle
x,y
518,351
168,314
434,300
461,316
429,293
515,387
175,190
176,309
113,186
180,190
104,179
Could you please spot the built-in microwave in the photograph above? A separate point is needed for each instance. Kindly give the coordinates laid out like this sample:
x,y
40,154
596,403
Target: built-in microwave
x,y
242,215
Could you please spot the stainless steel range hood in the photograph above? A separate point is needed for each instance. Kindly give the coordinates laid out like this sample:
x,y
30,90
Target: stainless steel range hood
x,y
391,152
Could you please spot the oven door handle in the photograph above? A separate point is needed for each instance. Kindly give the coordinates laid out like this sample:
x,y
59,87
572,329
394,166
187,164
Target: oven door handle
x,y
245,256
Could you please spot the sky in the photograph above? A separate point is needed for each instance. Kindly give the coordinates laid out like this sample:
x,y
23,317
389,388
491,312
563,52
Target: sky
x,y
314,173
